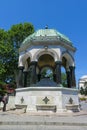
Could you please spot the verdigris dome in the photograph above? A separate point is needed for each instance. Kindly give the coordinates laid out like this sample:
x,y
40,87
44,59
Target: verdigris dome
x,y
44,35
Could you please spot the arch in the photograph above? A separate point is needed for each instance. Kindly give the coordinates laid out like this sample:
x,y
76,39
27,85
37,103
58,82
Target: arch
x,y
23,58
46,59
69,58
48,51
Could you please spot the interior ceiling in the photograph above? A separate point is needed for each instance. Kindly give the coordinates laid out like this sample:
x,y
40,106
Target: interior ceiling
x,y
46,60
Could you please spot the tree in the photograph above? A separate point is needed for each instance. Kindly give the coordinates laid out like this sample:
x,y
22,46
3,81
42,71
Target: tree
x,y
85,91
82,91
64,79
10,42
5,52
17,34
6,55
47,72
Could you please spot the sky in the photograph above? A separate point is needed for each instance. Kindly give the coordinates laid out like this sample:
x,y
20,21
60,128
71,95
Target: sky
x,y
69,17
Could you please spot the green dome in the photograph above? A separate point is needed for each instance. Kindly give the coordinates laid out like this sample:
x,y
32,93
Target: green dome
x,y
43,34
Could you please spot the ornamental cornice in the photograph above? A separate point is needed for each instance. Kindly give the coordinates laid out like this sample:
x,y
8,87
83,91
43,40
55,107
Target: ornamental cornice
x,y
47,42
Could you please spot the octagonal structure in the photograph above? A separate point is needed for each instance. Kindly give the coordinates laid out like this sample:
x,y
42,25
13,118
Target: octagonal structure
x,y
41,57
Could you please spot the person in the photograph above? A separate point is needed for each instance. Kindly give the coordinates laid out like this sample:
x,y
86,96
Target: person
x,y
5,101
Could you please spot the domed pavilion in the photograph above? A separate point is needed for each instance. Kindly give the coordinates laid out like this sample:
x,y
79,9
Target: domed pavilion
x,y
46,49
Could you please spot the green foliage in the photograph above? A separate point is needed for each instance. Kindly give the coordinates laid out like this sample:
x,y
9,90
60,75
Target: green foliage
x,y
64,79
19,32
47,72
83,91
44,72
83,98
4,53
2,89
10,42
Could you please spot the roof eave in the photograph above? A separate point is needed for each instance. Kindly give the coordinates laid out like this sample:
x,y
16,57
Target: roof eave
x,y
47,42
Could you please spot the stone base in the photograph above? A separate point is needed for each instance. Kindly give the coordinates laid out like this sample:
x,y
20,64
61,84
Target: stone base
x,y
53,99
46,108
20,106
72,107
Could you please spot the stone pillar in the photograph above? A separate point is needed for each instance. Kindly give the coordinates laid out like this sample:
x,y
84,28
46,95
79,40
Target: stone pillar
x,y
58,72
68,78
73,80
39,77
34,76
20,76
25,78
54,77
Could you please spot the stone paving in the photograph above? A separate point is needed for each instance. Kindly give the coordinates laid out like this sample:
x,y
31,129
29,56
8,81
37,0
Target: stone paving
x,y
60,119
17,119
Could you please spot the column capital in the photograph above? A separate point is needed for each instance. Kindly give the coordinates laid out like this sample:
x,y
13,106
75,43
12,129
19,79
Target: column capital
x,y
25,71
33,63
58,62
72,67
21,67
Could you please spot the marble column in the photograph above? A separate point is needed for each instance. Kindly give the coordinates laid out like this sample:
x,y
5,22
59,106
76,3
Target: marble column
x,y
39,77
73,80
68,78
34,76
54,77
20,76
25,78
58,72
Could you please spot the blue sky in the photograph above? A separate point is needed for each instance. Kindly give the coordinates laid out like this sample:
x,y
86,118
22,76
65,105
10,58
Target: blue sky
x,y
67,16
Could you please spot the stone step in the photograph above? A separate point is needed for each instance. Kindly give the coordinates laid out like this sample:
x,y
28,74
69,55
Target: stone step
x,y
42,123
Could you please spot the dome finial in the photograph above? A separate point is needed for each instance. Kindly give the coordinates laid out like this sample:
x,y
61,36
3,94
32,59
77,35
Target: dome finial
x,y
46,27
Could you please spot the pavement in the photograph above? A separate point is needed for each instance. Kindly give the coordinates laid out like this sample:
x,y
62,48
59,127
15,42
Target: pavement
x,y
17,119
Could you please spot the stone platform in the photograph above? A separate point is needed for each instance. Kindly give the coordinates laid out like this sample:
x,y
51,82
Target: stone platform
x,y
55,99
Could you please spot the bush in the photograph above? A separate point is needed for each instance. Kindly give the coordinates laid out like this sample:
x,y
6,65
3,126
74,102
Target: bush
x,y
83,91
7,88
82,99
